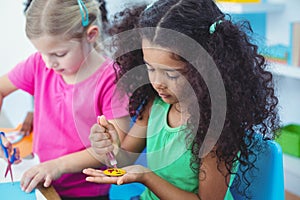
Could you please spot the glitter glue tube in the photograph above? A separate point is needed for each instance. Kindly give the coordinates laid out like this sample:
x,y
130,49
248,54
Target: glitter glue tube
x,y
112,159
110,155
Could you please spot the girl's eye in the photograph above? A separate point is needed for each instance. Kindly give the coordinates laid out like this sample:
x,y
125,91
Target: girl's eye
x,y
60,54
172,76
150,69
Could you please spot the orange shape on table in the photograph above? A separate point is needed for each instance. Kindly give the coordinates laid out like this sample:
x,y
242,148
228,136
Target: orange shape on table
x,y
25,145
114,172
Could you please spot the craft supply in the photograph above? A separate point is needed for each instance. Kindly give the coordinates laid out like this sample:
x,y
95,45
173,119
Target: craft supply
x,y
10,158
114,172
110,155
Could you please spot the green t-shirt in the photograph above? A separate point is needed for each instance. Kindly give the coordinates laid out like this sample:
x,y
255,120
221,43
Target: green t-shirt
x,y
167,152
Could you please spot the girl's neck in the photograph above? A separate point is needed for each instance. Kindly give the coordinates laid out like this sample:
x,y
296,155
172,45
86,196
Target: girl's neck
x,y
177,115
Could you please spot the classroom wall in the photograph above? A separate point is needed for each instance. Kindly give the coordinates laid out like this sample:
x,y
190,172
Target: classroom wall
x,y
278,24
279,32
14,48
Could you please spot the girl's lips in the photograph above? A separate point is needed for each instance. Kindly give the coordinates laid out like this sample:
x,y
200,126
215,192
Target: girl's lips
x,y
163,95
58,70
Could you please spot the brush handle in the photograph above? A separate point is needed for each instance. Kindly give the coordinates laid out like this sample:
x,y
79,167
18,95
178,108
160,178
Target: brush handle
x,y
112,159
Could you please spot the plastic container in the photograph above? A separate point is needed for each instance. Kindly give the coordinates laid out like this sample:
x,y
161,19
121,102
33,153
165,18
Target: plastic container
x,y
289,139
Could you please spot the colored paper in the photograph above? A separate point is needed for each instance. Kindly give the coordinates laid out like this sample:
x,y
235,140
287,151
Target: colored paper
x,y
6,187
13,191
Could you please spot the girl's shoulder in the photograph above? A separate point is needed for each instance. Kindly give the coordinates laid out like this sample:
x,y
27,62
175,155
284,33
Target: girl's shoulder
x,y
105,70
36,58
107,65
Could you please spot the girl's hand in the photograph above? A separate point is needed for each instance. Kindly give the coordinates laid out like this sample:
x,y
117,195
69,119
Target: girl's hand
x,y
44,172
134,173
27,125
9,148
104,137
7,145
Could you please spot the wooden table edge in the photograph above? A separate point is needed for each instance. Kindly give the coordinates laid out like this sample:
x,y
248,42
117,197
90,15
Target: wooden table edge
x,y
48,192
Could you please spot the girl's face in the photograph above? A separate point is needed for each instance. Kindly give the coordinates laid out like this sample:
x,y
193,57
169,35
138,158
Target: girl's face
x,y
165,72
65,57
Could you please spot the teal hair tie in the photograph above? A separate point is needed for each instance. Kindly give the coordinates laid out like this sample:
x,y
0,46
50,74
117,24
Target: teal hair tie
x,y
150,5
212,28
84,13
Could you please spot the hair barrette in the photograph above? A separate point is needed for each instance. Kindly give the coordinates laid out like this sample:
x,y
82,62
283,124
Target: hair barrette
x,y
84,13
212,27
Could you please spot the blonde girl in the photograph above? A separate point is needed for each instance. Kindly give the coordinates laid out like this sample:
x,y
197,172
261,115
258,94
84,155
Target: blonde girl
x,y
72,82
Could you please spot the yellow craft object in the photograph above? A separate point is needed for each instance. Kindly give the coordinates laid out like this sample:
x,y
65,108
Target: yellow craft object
x,y
114,172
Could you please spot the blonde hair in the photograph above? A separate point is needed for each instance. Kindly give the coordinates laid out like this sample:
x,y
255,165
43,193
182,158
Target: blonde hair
x,y
61,17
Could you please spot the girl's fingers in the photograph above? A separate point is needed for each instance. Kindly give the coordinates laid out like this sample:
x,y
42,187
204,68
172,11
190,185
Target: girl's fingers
x,y
97,128
93,172
25,181
97,176
105,123
48,181
120,181
102,179
112,133
17,156
98,133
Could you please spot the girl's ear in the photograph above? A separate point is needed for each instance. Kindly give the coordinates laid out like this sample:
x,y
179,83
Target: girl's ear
x,y
92,33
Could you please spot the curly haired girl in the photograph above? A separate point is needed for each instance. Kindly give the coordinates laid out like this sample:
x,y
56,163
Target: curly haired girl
x,y
201,93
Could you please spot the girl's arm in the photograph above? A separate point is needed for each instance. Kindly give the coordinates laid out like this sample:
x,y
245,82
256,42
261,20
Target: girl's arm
x,y
27,125
136,173
132,145
72,163
212,184
164,189
135,142
121,125
75,162
6,87
104,138
87,157
53,169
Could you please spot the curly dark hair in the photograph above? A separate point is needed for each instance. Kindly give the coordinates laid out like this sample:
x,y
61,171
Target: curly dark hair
x,y
251,104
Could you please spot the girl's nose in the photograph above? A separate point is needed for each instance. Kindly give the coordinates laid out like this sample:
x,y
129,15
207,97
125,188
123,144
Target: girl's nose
x,y
50,62
159,81
54,65
51,65
159,85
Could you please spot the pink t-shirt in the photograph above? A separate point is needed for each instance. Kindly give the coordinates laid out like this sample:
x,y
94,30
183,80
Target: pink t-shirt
x,y
64,114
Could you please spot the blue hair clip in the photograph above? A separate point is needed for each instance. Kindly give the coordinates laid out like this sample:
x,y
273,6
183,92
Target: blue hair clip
x,y
84,13
212,28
